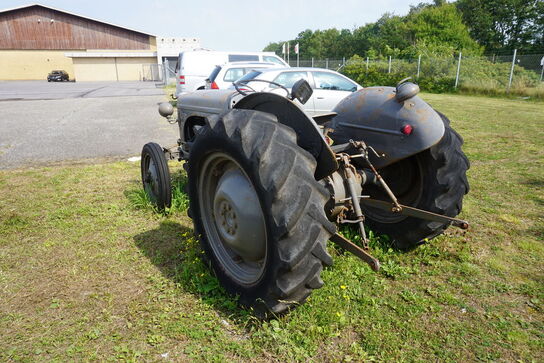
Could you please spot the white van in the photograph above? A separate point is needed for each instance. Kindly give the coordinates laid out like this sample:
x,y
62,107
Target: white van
x,y
194,66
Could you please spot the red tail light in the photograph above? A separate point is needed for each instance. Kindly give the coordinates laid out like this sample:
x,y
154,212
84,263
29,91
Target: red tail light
x,y
181,79
407,129
214,85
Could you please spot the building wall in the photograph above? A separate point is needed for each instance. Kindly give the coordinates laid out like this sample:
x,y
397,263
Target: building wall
x,y
34,40
152,43
112,69
33,64
37,27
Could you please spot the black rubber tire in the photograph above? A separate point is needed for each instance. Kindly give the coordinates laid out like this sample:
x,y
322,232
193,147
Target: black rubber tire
x,y
162,197
443,184
291,199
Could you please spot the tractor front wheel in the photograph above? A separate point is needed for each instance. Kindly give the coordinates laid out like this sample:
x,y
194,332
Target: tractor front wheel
x,y
156,176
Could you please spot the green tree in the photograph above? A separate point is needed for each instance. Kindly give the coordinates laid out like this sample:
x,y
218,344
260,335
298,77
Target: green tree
x,y
388,36
275,47
501,25
438,30
429,29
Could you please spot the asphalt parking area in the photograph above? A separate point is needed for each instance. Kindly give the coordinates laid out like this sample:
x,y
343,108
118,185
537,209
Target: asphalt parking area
x,y
43,90
57,122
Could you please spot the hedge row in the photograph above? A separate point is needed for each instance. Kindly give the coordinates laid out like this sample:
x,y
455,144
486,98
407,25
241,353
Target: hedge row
x,y
477,75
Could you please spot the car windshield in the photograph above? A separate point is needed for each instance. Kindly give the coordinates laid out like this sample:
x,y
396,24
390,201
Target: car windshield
x,y
233,74
333,82
250,75
273,59
288,79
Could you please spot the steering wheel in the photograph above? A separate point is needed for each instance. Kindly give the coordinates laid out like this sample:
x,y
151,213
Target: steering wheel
x,y
245,82
236,84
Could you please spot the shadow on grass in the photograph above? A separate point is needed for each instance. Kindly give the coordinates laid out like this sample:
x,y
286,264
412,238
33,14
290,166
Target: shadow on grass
x,y
177,254
534,182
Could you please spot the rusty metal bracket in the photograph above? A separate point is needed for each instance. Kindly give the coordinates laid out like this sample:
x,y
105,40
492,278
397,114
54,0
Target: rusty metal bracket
x,y
414,212
349,180
356,250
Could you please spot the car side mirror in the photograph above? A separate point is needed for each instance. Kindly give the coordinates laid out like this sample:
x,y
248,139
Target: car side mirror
x,y
302,91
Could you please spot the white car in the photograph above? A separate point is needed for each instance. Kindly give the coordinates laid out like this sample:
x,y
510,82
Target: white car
x,y
223,76
329,87
194,66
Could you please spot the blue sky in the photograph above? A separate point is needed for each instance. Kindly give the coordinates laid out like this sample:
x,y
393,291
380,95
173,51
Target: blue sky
x,y
229,25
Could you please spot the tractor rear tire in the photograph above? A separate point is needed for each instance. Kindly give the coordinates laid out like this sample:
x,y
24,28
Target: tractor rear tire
x,y
156,176
433,180
258,211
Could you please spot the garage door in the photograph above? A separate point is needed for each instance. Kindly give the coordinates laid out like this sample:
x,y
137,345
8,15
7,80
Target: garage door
x,y
111,69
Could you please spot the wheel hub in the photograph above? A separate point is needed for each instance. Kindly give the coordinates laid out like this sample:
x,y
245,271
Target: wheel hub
x,y
152,178
238,216
227,218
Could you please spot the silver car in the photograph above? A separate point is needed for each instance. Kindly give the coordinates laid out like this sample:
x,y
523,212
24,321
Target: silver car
x,y
329,87
223,75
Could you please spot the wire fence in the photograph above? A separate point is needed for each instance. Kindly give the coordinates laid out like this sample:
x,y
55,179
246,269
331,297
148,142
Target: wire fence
x,y
158,73
504,73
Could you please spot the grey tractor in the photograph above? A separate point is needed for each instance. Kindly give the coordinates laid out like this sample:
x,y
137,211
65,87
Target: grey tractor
x,y
269,185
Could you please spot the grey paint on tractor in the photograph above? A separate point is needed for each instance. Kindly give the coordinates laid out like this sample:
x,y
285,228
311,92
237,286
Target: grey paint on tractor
x,y
374,114
198,106
377,116
309,136
223,130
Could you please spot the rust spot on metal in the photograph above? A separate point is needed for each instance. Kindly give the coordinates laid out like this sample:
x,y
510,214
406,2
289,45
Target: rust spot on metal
x,y
361,100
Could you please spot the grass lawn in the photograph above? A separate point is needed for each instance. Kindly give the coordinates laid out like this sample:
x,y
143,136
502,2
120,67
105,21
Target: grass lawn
x,y
89,272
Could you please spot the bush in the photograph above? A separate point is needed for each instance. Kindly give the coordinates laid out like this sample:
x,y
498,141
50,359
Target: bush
x,y
377,75
437,75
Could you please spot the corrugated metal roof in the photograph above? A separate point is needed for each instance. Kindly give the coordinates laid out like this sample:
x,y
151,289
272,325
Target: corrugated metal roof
x,y
70,13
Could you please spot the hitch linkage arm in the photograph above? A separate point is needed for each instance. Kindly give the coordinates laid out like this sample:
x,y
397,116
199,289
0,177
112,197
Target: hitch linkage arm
x,y
393,206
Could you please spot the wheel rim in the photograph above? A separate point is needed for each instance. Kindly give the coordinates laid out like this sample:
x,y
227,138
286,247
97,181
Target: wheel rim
x,y
405,178
151,179
232,217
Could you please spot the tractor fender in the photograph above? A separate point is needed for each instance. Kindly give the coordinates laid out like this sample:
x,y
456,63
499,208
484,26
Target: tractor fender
x,y
378,116
309,136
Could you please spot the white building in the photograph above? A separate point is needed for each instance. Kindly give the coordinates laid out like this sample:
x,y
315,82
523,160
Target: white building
x,y
168,48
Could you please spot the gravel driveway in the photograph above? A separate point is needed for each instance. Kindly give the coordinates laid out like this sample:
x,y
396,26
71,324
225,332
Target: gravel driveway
x,y
44,122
